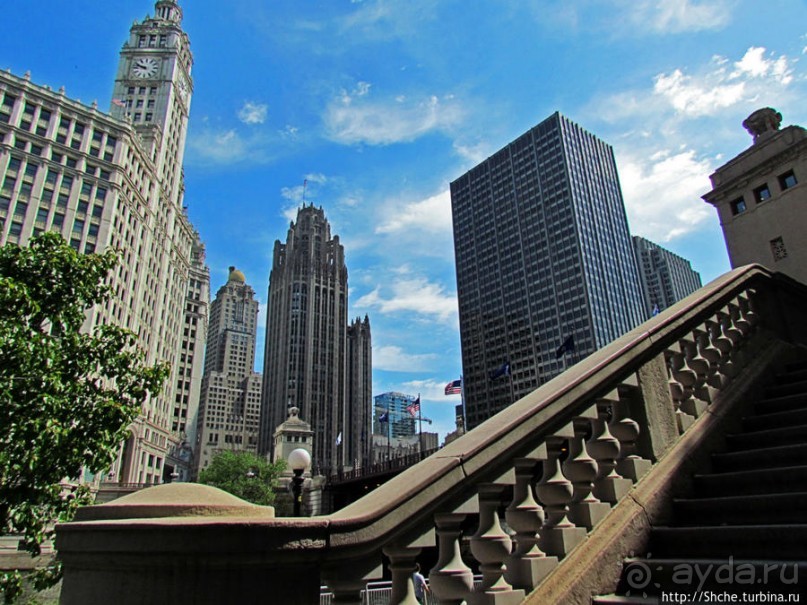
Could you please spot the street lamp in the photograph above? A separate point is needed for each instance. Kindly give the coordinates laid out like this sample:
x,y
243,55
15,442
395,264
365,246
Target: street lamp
x,y
299,460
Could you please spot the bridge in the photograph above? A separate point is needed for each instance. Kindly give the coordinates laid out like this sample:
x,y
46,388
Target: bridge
x,y
612,458
348,486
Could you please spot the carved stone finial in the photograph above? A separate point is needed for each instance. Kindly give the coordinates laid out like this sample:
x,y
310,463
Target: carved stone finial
x,y
762,121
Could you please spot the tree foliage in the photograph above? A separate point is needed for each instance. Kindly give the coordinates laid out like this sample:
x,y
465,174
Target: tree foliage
x,y
243,474
66,396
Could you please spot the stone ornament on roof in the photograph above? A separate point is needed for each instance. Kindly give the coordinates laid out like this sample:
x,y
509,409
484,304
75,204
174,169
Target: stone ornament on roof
x,y
762,121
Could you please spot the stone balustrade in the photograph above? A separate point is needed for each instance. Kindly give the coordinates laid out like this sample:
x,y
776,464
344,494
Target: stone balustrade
x,y
533,481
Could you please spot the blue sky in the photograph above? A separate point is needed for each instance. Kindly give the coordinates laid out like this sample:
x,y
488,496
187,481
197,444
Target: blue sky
x,y
380,104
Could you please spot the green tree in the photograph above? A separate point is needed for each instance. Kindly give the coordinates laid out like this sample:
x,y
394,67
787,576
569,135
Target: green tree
x,y
245,475
66,396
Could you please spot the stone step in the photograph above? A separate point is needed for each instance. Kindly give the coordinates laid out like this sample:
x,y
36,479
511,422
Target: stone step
x,y
741,510
784,403
653,577
768,457
787,541
767,438
784,387
782,480
775,420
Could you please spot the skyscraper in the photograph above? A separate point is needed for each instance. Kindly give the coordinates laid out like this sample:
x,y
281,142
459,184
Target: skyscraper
x,y
311,360
190,364
230,405
666,277
761,199
114,180
545,268
358,411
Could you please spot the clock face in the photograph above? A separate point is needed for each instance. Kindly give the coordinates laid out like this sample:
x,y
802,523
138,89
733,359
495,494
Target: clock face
x,y
145,67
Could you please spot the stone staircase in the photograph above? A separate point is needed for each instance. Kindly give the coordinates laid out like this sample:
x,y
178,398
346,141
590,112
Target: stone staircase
x,y
743,528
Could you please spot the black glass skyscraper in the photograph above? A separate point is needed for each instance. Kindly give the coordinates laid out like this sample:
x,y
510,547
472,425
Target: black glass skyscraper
x,y
545,267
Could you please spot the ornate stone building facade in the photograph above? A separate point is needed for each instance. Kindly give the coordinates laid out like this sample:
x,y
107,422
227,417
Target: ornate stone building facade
x,y
115,180
229,409
311,360
761,199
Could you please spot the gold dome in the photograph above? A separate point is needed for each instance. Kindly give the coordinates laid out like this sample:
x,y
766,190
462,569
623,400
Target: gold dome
x,y
236,276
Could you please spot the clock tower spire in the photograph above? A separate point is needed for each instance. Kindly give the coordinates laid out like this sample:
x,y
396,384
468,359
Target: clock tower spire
x,y
153,89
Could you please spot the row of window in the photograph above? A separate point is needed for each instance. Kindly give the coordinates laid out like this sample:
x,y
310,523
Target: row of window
x,y
763,192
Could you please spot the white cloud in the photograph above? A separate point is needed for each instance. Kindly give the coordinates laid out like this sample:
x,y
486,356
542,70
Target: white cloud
x,y
219,146
395,359
662,193
290,132
432,215
253,113
675,16
413,294
355,118
430,390
714,89
473,154
754,64
690,96
706,91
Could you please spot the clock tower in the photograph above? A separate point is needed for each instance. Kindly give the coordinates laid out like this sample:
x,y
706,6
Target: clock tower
x,y
153,90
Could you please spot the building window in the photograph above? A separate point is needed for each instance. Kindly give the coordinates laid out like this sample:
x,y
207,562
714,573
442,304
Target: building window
x,y
738,206
787,180
762,193
778,249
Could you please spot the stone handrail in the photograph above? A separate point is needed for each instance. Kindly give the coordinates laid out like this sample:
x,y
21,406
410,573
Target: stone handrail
x,y
580,440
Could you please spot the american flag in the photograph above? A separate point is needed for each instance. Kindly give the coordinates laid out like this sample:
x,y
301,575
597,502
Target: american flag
x,y
414,408
454,387
118,102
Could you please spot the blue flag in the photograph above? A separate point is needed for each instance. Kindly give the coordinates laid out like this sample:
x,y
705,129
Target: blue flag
x,y
566,347
384,417
504,370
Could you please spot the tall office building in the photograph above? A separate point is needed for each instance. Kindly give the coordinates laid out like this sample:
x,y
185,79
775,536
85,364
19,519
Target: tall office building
x,y
761,199
114,180
666,277
230,405
358,411
544,262
311,360
190,365
391,416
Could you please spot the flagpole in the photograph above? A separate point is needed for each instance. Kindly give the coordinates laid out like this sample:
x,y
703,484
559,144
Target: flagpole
x,y
462,400
420,426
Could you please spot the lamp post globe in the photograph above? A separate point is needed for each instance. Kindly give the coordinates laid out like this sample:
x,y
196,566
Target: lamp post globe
x,y
299,460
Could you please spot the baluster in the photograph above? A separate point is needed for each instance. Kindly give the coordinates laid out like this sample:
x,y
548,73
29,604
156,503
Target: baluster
x,y
678,391
712,356
451,580
609,486
731,334
402,566
346,590
724,346
626,430
528,564
697,404
739,316
585,510
558,534
491,545
748,305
